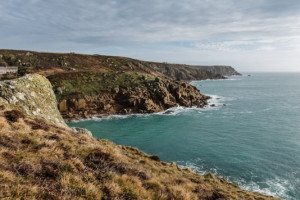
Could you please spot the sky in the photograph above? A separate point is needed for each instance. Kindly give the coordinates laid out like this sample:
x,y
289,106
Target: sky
x,y
250,35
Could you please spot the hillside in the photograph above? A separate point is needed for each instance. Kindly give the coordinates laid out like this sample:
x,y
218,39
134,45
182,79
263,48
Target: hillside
x,y
40,159
52,63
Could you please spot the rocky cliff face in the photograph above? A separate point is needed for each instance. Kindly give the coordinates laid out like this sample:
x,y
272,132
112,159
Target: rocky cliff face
x,y
189,72
87,94
32,94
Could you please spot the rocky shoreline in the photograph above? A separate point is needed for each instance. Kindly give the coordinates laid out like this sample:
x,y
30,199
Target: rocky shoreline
x,y
121,93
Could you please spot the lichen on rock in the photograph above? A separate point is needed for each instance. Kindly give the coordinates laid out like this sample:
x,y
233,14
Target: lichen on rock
x,y
82,131
34,96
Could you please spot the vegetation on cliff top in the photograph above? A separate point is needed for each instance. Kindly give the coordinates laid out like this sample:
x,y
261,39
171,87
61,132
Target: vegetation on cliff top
x,y
80,84
53,63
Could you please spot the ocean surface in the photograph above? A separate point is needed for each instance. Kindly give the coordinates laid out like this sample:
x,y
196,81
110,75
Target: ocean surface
x,y
251,137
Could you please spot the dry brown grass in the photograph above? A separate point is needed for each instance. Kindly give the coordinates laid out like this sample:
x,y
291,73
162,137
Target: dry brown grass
x,y
41,161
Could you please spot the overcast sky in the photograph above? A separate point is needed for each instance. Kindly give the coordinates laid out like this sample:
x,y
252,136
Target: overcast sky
x,y
250,35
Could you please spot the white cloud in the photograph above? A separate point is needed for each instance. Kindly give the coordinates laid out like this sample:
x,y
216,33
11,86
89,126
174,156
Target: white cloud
x,y
212,29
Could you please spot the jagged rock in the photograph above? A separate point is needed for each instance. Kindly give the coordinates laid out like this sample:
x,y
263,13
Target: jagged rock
x,y
81,103
63,105
134,95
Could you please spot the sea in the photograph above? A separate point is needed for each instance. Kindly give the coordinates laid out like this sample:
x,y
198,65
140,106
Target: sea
x,y
250,136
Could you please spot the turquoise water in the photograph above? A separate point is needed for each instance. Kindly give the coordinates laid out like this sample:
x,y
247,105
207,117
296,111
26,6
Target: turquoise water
x,y
253,141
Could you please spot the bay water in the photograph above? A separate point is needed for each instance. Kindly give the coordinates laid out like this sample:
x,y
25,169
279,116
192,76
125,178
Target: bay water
x,y
251,136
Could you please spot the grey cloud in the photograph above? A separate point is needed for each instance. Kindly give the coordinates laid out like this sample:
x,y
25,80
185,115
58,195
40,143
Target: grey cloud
x,y
134,25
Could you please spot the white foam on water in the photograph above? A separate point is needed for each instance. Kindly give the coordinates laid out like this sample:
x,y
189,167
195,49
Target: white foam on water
x,y
266,109
107,117
198,168
177,110
227,79
214,103
273,187
169,112
246,112
276,187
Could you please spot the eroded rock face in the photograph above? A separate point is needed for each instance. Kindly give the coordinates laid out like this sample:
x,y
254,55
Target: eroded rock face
x,y
33,95
150,96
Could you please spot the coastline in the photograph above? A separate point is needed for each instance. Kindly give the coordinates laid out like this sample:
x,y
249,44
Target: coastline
x,y
215,100
76,152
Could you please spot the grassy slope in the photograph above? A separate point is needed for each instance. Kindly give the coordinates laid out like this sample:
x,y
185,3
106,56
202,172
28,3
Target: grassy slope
x,y
39,160
94,83
52,63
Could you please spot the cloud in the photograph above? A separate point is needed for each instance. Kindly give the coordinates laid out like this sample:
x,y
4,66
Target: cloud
x,y
126,27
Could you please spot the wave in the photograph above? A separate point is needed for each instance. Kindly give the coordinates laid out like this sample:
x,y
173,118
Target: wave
x,y
276,187
109,117
246,112
227,79
266,109
214,103
273,187
200,169
169,112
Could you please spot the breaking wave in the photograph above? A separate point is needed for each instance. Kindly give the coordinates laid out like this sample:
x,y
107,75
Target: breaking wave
x,y
273,187
214,103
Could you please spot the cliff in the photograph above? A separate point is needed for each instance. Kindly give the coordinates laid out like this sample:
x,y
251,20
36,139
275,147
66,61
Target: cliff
x,y
190,72
86,94
40,159
32,94
53,63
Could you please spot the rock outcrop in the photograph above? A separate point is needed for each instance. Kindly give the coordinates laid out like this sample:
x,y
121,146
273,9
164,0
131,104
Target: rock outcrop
x,y
85,94
190,72
32,94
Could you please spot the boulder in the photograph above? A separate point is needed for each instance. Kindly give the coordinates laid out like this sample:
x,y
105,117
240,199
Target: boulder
x,y
33,95
62,106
